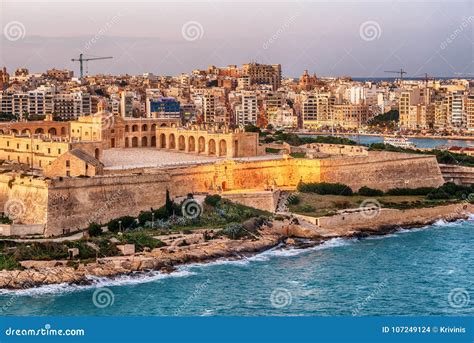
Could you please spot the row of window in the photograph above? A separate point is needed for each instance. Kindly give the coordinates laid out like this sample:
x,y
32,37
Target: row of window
x,y
37,148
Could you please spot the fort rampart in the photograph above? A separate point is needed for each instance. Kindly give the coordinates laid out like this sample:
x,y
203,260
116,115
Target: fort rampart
x,y
72,203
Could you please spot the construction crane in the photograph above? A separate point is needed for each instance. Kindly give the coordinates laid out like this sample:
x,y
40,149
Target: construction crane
x,y
81,61
400,72
427,77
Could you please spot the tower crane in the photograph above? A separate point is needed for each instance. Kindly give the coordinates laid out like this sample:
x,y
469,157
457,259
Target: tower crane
x,y
81,61
400,72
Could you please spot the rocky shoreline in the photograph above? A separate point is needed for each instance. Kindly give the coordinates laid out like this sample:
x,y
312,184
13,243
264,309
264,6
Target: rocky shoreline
x,y
166,259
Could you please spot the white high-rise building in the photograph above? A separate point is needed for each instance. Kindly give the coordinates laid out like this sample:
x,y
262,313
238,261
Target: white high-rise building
x,y
247,110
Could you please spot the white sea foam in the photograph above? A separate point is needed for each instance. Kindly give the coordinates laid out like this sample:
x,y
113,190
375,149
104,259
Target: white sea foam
x,y
96,282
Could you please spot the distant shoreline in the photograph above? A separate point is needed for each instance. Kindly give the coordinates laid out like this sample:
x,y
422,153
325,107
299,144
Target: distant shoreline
x,y
321,133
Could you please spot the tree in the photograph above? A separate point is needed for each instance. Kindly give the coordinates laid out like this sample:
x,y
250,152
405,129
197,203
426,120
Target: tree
x,y
94,230
169,203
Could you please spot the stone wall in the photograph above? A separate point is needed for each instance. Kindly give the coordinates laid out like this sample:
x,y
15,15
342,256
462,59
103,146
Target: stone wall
x,y
24,198
21,230
266,200
69,204
383,170
460,175
391,217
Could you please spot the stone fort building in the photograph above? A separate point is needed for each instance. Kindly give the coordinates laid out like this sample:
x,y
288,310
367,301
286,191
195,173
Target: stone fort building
x,y
102,167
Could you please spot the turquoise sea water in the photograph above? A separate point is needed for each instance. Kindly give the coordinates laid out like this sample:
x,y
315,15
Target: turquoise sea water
x,y
419,142
426,271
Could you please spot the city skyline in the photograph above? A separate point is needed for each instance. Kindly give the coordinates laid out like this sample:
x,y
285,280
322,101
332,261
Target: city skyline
x,y
358,39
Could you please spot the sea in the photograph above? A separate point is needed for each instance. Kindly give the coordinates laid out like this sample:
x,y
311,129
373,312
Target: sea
x,y
420,271
419,142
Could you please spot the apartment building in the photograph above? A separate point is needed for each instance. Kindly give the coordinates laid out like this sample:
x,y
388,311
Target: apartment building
x,y
70,106
247,110
263,74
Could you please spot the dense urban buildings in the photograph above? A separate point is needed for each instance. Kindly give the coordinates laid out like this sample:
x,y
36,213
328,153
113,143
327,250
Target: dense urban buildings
x,y
253,94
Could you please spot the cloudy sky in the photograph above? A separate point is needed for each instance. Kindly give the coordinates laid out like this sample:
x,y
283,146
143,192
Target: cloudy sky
x,y
331,38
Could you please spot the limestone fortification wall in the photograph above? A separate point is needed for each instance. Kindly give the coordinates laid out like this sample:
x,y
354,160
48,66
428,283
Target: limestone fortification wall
x,y
383,171
25,198
73,203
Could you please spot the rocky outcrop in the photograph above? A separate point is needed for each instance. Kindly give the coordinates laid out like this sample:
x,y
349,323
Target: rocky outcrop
x,y
163,259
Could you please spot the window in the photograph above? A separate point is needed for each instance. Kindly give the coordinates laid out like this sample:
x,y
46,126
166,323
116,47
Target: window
x,y
8,143
59,151
37,147
27,146
49,150
18,146
68,163
68,173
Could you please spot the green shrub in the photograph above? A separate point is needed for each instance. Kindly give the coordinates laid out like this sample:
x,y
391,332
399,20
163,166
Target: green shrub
x,y
305,209
234,231
272,150
293,199
94,230
325,188
452,191
41,251
298,154
370,192
411,191
8,262
142,240
127,223
212,200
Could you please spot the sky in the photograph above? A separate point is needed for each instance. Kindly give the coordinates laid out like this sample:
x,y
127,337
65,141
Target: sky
x,y
329,38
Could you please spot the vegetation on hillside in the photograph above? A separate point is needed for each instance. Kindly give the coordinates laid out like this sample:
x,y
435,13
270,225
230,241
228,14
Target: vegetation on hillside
x,y
229,219
442,156
323,199
386,121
